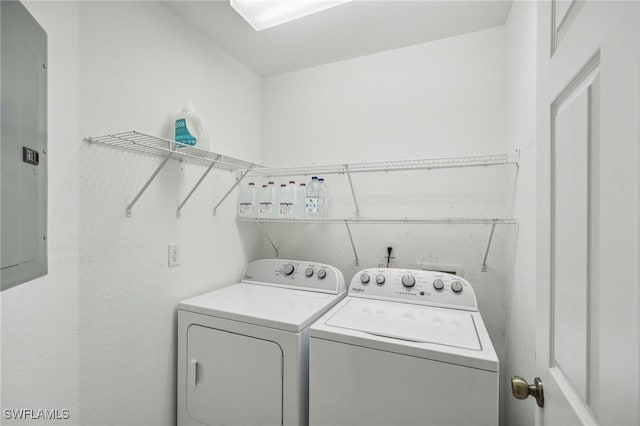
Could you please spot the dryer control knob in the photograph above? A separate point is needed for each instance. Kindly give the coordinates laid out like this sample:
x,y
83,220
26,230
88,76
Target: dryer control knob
x,y
308,272
364,278
456,286
438,284
322,274
289,268
408,280
380,279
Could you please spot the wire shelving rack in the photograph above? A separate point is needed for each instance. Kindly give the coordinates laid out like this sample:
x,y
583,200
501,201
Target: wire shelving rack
x,y
167,149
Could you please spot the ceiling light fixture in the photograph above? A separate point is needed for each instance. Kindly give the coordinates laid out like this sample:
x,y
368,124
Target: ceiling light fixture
x,y
262,14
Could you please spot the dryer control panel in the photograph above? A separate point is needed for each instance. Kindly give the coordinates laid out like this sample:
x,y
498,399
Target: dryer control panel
x,y
297,274
414,286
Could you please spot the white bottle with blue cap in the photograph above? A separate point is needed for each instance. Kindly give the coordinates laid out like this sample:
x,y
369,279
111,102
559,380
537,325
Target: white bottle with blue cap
x,y
189,129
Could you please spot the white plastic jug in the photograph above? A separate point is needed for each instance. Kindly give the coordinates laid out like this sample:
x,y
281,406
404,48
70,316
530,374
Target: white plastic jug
x,y
247,200
189,129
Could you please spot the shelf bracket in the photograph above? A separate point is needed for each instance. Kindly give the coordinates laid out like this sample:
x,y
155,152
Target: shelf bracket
x,y
266,235
129,210
353,246
240,179
204,175
353,194
486,253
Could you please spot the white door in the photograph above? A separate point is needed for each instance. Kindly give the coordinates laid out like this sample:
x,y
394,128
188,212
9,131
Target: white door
x,y
233,379
587,350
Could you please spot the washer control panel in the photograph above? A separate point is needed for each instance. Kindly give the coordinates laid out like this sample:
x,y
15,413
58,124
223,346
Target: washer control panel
x,y
301,275
414,286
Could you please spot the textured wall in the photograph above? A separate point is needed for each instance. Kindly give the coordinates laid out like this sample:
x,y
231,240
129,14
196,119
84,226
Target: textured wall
x,y
520,74
40,318
444,98
139,64
99,330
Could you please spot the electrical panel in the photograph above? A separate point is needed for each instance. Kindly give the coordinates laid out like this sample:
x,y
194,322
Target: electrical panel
x,y
23,134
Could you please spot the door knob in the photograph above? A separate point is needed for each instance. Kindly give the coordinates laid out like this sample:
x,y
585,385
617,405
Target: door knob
x,y
521,389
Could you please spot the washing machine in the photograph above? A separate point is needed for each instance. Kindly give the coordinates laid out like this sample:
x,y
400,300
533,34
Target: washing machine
x,y
405,347
243,349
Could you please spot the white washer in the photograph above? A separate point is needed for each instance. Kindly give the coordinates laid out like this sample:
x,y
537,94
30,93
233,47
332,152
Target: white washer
x,y
405,347
243,349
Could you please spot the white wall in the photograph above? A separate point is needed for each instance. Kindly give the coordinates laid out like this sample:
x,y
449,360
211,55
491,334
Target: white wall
x,y
139,64
40,318
520,74
97,334
444,98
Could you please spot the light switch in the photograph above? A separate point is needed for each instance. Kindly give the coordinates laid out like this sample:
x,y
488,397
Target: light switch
x,y
174,255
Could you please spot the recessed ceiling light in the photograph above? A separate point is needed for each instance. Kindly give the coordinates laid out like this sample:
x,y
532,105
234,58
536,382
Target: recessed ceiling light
x,y
262,14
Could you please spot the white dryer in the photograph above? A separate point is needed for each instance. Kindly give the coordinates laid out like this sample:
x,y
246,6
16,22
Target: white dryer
x,y
405,347
243,349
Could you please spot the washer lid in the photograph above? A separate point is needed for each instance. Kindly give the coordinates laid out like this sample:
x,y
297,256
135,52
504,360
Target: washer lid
x,y
281,308
410,322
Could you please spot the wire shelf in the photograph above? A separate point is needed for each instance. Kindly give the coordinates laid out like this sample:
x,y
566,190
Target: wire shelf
x,y
160,147
168,149
388,166
390,220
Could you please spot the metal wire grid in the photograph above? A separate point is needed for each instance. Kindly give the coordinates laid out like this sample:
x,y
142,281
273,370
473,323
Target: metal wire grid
x,y
160,147
153,145
390,220
387,166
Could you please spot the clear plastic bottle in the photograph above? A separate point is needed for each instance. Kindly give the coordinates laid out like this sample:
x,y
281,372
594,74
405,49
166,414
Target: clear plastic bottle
x,y
324,197
285,201
266,201
313,201
301,194
247,200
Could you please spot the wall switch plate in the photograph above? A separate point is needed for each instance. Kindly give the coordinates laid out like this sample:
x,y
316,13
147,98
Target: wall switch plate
x,y
174,255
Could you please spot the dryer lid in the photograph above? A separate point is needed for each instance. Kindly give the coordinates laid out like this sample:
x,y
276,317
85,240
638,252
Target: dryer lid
x,y
274,307
409,322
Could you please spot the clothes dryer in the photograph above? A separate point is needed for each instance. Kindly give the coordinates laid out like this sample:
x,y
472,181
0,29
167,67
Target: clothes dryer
x,y
243,349
405,347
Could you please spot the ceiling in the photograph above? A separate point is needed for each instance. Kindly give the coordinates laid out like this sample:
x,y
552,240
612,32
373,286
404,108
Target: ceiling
x,y
350,30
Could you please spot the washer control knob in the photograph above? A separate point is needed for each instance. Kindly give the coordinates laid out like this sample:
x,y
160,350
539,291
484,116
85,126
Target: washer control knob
x,y
308,272
364,278
456,286
438,284
289,268
322,274
408,280
380,279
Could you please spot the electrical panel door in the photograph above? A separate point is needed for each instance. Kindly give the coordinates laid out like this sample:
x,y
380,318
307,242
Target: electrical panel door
x,y
23,123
